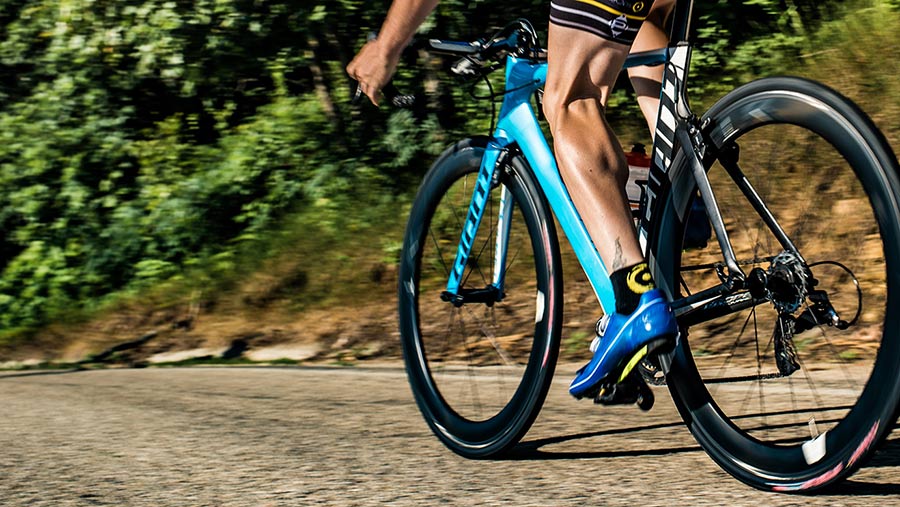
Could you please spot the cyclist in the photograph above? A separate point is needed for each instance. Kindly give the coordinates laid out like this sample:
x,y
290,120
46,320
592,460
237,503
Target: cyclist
x,y
588,43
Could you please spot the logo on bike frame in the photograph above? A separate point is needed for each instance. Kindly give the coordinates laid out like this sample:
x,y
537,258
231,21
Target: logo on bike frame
x,y
664,146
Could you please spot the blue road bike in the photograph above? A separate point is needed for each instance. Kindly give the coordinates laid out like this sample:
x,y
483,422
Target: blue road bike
x,y
786,368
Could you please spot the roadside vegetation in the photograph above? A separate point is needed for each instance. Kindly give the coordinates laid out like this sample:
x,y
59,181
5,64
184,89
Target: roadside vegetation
x,y
162,161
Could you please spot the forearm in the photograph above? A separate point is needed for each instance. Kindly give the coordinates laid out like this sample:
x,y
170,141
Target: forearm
x,y
401,23
376,62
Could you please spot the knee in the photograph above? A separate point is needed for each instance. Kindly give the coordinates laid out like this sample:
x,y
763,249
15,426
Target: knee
x,y
550,106
562,108
582,139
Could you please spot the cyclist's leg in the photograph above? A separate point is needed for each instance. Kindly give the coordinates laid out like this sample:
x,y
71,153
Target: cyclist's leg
x,y
584,61
647,81
582,69
585,58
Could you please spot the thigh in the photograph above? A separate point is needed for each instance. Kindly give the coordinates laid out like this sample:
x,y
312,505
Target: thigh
x,y
581,65
588,43
652,34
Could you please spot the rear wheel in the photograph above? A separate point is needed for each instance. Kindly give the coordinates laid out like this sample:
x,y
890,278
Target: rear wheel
x,y
795,383
480,370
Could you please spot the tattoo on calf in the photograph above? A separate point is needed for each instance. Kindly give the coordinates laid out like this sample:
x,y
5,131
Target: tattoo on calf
x,y
618,259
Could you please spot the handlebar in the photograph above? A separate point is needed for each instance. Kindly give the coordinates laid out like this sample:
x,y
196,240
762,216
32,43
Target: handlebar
x,y
475,59
518,38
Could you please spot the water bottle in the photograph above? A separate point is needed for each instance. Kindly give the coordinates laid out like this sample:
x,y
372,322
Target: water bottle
x,y
638,174
697,231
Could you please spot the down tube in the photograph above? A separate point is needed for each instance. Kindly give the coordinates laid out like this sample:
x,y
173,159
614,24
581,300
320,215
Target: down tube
x,y
520,124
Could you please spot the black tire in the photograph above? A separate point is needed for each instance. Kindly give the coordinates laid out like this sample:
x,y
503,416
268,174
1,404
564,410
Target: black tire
x,y
840,207
451,352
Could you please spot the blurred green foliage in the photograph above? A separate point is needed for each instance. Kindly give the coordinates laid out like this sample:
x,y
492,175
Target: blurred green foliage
x,y
141,137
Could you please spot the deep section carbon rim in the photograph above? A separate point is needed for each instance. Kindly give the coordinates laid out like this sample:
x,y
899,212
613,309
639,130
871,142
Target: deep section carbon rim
x,y
828,179
479,370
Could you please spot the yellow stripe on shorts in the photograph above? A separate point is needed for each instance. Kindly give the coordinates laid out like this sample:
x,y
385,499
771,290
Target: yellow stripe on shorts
x,y
611,10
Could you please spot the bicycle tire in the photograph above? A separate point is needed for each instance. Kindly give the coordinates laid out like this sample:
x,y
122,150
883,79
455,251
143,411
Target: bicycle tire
x,y
449,364
767,447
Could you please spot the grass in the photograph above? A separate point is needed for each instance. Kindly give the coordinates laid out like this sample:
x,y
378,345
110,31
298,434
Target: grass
x,y
849,355
204,361
187,363
305,265
702,351
342,257
221,361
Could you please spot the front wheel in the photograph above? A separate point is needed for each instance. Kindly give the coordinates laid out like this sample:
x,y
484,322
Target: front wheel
x,y
480,368
791,384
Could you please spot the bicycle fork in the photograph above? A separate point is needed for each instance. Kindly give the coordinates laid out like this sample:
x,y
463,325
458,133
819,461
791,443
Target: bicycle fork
x,y
488,178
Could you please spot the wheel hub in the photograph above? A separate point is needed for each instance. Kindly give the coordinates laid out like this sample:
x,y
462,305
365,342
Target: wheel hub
x,y
787,282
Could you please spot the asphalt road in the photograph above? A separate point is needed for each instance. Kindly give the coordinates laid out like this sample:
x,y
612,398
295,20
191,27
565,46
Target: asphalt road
x,y
344,436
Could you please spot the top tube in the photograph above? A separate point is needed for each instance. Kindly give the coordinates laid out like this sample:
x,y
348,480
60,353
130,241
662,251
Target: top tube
x,y
648,58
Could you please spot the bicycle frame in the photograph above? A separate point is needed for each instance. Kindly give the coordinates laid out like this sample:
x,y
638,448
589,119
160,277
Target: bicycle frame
x,y
518,127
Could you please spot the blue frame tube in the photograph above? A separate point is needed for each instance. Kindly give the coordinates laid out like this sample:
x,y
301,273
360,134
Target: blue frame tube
x,y
504,219
518,125
473,218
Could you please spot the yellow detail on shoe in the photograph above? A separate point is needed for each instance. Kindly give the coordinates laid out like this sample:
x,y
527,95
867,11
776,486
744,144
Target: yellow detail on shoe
x,y
639,279
635,359
611,10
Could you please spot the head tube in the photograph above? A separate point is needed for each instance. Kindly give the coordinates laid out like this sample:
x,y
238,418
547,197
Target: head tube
x,y
523,78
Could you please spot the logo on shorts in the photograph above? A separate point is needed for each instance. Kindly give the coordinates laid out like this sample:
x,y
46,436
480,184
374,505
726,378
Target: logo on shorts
x,y
638,7
618,26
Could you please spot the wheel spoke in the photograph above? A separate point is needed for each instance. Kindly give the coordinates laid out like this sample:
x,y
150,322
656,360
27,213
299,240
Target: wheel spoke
x,y
810,185
469,361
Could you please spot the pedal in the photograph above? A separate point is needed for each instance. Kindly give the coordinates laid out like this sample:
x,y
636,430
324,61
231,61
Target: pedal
x,y
631,390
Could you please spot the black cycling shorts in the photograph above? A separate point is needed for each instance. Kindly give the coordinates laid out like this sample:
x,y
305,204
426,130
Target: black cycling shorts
x,y
615,20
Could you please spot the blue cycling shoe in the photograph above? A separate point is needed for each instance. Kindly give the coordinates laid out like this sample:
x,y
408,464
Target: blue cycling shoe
x,y
623,340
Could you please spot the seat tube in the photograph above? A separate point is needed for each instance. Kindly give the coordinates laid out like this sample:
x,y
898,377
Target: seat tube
x,y
480,196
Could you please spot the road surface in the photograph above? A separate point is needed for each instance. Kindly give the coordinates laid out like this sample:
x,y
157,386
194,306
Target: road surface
x,y
344,436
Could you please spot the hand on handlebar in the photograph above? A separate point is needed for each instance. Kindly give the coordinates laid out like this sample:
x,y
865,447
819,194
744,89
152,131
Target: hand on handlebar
x,y
391,93
372,68
374,65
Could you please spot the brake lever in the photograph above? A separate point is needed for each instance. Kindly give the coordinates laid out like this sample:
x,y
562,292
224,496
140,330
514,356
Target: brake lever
x,y
357,94
391,93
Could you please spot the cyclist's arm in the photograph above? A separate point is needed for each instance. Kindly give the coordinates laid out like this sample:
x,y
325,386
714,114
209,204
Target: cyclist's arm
x,y
376,62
